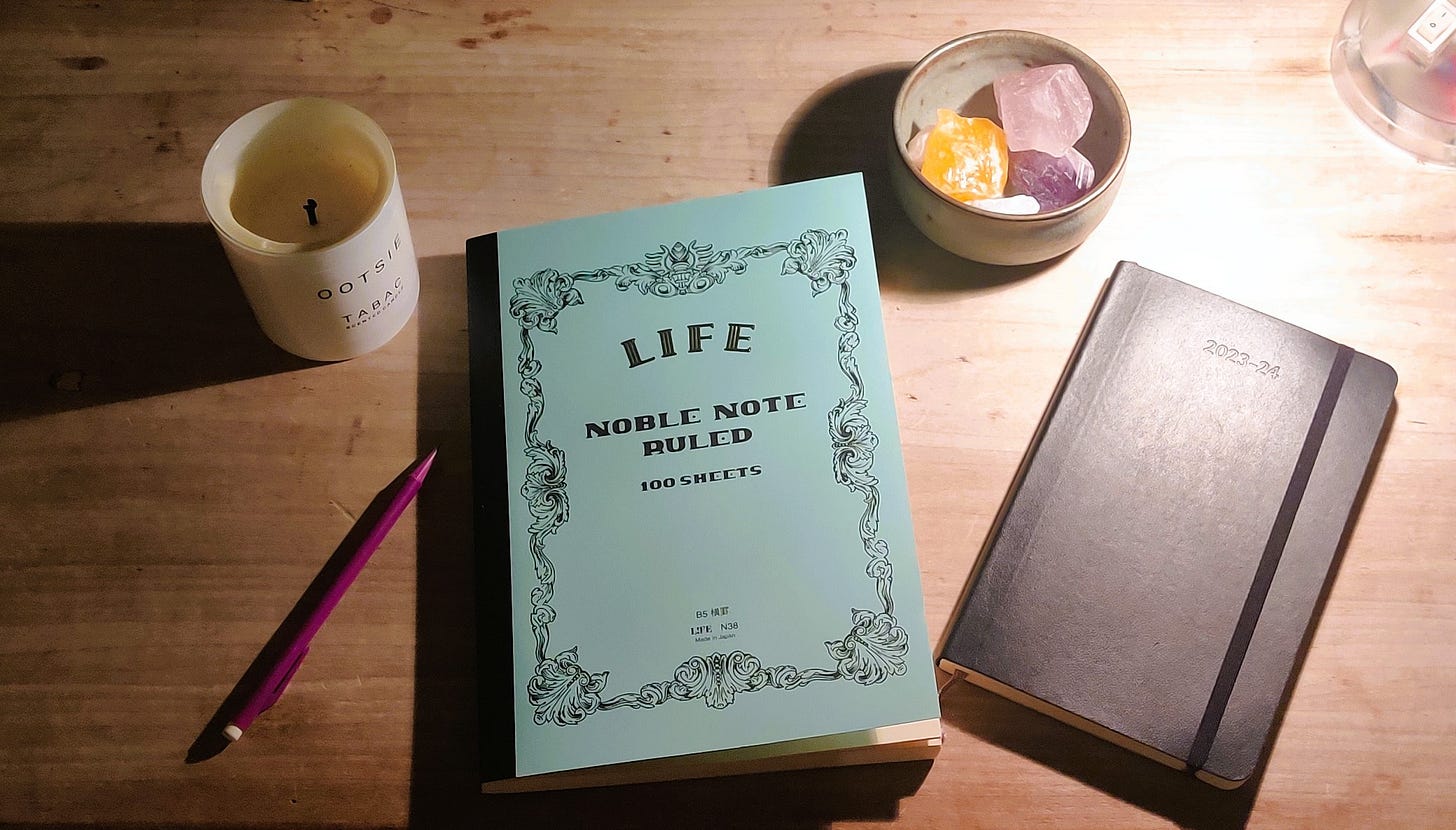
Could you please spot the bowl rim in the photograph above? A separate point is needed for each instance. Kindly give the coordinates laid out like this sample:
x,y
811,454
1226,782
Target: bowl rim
x,y
1103,183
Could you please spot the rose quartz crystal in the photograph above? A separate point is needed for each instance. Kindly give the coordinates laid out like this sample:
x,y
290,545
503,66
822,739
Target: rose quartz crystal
x,y
1046,108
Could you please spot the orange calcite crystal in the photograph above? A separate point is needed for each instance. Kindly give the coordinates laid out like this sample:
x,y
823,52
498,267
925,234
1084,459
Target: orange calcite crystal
x,y
966,157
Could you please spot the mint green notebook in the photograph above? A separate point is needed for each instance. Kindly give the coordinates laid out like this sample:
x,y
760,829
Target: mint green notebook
x,y
685,442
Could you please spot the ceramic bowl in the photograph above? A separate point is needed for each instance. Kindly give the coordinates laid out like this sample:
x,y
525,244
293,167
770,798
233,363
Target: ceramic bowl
x,y
958,75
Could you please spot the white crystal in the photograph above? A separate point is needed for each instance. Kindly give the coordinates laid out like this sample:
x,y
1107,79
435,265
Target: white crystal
x,y
1021,205
915,147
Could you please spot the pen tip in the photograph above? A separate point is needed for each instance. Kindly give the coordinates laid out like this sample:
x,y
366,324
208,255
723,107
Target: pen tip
x,y
424,465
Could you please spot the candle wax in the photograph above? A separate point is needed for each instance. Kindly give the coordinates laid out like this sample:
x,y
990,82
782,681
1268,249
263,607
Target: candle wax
x,y
277,178
269,200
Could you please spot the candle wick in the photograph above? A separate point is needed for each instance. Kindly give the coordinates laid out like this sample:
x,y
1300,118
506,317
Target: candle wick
x,y
311,206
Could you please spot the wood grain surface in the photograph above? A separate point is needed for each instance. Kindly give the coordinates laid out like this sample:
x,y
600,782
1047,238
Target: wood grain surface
x,y
170,481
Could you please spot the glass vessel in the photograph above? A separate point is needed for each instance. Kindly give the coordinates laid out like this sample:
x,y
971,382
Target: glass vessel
x,y
1394,64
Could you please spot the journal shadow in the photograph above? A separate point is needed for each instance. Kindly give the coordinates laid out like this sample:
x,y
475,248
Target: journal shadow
x,y
451,745
845,128
98,313
1142,782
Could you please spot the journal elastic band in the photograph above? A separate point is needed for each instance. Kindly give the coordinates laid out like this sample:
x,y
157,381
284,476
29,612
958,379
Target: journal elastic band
x,y
1233,659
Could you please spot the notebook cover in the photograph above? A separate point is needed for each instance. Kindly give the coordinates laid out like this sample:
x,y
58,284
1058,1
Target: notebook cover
x,y
1159,560
705,544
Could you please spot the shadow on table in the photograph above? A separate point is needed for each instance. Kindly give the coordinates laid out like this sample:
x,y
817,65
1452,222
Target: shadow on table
x,y
98,313
211,741
844,128
1139,781
445,779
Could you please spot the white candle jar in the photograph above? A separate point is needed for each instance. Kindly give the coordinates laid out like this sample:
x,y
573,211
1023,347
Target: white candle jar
x,y
305,197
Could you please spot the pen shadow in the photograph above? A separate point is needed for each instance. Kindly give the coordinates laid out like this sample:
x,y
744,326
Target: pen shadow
x,y
451,746
845,128
1173,794
211,741
98,313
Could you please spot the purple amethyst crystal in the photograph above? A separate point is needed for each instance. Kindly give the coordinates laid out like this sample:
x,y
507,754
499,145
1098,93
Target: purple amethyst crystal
x,y
1054,181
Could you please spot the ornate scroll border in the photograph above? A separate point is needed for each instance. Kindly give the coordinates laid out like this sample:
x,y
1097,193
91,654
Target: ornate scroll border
x,y
562,691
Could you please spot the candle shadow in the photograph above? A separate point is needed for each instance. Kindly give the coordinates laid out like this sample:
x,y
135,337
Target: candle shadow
x,y
99,313
452,744
845,128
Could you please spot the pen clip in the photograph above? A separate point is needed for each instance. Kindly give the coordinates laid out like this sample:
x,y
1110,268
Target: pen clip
x,y
277,690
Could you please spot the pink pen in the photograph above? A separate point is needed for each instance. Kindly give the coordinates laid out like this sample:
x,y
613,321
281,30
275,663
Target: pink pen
x,y
281,671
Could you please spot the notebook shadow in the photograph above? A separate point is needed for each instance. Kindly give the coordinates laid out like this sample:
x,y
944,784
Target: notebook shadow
x,y
800,800
1173,794
444,783
446,757
844,128
99,313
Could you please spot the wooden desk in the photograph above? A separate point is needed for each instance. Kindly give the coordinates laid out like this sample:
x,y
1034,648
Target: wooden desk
x,y
169,482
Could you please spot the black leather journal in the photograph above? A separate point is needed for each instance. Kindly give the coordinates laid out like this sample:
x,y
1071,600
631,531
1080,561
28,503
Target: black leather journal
x,y
1157,565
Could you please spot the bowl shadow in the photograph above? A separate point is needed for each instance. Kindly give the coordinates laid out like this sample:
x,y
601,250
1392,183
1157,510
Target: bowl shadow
x,y
845,127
